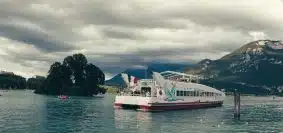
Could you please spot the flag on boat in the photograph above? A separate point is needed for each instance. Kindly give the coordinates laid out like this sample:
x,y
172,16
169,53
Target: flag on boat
x,y
134,81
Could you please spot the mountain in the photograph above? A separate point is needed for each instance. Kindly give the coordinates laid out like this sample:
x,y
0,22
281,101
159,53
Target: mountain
x,y
146,72
254,68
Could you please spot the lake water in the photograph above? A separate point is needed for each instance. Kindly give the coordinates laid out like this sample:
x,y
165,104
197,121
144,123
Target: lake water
x,y
25,112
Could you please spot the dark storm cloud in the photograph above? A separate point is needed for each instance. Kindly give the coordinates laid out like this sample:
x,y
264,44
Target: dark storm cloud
x,y
40,40
135,32
122,13
119,34
56,32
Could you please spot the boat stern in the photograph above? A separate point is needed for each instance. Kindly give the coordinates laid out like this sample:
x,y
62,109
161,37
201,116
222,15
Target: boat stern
x,y
132,102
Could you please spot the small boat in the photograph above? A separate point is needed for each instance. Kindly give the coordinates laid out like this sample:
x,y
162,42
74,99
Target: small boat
x,y
63,97
98,95
168,91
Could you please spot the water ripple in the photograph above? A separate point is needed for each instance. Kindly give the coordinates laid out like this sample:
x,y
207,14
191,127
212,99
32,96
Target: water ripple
x,y
23,112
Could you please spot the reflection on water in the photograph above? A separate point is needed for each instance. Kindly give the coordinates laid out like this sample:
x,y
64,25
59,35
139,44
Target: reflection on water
x,y
137,121
23,111
205,119
266,116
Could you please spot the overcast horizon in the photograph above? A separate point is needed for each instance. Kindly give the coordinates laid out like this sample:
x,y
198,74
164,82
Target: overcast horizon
x,y
120,34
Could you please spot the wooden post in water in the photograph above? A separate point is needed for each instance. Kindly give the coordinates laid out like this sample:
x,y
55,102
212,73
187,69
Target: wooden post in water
x,y
237,104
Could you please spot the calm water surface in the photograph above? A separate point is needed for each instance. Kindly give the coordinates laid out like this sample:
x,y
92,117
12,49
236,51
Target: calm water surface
x,y
25,112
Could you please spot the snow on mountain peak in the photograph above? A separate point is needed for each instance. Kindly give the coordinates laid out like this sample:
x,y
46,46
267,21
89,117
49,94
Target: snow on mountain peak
x,y
277,45
260,43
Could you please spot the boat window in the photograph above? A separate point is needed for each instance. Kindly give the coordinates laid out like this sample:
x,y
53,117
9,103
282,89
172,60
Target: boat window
x,y
181,93
178,93
186,93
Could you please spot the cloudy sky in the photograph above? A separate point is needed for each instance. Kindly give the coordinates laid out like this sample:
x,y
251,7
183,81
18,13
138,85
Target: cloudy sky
x,y
120,34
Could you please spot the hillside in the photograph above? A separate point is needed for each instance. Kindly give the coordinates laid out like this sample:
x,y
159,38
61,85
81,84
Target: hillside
x,y
254,68
10,80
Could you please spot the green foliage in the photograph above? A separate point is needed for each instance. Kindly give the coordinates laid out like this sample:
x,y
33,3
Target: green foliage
x,y
111,89
12,81
75,76
35,83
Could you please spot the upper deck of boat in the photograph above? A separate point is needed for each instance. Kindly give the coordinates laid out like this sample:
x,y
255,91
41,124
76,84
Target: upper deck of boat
x,y
180,77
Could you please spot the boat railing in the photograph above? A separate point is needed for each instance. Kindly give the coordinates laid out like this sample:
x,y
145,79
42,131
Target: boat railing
x,y
132,94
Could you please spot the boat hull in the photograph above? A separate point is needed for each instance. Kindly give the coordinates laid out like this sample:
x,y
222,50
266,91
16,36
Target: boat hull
x,y
169,106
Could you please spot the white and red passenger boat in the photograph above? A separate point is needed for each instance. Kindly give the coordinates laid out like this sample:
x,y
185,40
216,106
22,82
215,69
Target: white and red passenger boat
x,y
167,91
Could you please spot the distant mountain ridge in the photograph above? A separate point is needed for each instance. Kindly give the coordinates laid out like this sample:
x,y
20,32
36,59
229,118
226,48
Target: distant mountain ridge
x,y
254,68
146,72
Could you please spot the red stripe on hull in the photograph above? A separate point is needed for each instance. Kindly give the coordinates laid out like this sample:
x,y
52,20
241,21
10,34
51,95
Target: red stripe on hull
x,y
170,106
117,106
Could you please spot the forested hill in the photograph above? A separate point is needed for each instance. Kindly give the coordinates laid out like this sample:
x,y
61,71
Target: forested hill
x,y
9,80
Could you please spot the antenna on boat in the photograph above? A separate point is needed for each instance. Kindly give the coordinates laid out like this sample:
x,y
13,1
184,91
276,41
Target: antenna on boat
x,y
145,72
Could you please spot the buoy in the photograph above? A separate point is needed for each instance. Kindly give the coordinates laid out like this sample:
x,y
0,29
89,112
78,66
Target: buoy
x,y
63,97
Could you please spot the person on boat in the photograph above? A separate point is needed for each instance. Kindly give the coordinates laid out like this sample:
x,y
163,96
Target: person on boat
x,y
147,94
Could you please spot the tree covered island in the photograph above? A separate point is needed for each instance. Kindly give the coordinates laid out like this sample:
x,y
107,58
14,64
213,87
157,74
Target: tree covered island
x,y
74,76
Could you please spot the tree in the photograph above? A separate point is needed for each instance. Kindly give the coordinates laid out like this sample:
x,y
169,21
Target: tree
x,y
94,78
12,81
74,77
77,64
35,83
53,83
